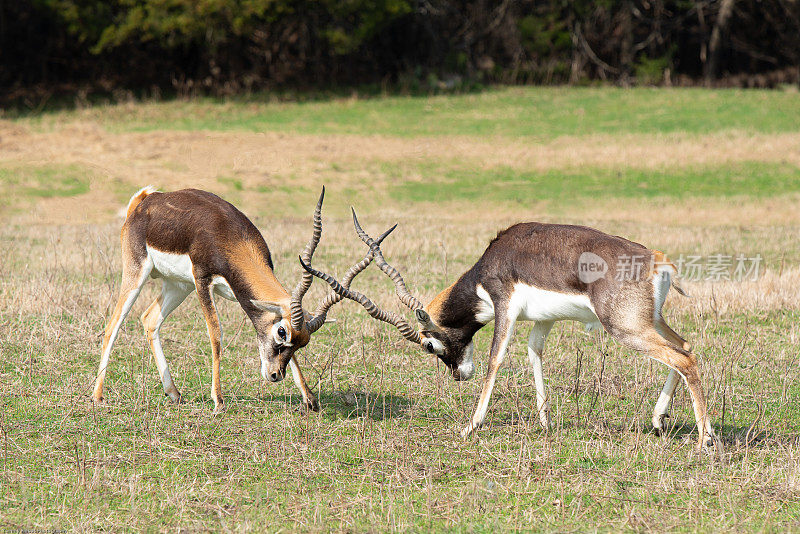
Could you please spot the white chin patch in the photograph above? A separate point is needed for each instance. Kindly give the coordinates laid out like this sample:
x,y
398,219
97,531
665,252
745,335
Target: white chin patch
x,y
263,369
467,368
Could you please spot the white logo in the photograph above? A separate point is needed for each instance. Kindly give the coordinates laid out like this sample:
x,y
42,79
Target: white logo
x,y
591,267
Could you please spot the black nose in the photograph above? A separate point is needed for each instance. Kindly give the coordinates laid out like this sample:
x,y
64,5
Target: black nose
x,y
274,377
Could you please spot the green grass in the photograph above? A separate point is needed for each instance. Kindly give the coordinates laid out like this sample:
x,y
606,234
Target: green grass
x,y
22,185
507,185
542,113
45,181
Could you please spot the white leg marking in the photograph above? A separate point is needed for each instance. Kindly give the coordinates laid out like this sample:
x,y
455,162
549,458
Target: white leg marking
x,y
309,400
297,377
126,308
483,403
173,294
535,350
662,405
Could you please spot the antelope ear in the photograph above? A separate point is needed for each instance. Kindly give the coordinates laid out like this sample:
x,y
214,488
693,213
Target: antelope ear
x,y
267,306
424,319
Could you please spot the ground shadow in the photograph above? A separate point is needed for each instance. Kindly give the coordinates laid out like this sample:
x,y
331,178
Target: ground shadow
x,y
377,406
732,436
334,405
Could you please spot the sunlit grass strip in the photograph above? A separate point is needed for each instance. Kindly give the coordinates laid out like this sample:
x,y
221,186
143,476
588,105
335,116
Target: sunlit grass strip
x,y
433,181
533,112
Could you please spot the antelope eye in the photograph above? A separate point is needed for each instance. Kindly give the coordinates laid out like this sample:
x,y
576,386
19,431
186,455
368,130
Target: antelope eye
x,y
282,333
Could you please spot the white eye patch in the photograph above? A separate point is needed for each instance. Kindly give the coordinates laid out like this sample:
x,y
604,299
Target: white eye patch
x,y
432,345
281,333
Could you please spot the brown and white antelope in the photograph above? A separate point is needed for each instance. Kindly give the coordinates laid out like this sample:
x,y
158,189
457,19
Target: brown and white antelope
x,y
195,241
546,273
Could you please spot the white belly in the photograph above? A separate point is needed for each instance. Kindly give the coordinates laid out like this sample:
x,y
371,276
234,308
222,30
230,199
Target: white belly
x,y
529,303
172,266
178,267
536,304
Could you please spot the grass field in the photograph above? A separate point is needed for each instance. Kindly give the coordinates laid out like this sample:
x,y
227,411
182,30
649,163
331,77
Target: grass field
x,y
689,172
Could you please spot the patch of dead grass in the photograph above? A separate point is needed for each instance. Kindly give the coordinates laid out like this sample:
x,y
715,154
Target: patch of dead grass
x,y
773,290
276,167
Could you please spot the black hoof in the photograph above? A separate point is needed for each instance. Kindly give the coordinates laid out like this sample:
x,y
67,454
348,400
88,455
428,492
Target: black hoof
x,y
660,430
311,405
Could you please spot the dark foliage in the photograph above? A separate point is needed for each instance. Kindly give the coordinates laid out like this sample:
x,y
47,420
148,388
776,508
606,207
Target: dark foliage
x,y
231,46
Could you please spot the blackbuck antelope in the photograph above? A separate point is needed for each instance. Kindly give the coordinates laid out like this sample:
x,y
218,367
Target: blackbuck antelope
x,y
195,241
547,273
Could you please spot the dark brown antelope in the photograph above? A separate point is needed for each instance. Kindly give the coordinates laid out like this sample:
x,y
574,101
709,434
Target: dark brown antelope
x,y
546,273
195,241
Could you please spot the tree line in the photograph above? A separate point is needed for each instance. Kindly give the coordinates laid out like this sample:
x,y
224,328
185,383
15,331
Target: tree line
x,y
234,46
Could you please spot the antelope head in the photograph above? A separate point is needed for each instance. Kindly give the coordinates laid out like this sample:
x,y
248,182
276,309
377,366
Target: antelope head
x,y
289,327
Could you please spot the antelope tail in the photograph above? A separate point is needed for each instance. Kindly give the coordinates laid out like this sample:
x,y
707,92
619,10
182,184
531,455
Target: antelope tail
x,y
137,197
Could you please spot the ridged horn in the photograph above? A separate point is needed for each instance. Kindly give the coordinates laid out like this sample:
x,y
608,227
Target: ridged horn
x,y
300,290
402,291
406,329
322,310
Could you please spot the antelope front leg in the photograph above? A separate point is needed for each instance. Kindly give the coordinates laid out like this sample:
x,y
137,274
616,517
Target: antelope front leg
x,y
309,400
503,330
535,350
215,335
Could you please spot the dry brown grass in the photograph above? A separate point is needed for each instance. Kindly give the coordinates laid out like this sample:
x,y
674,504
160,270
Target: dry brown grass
x,y
293,166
